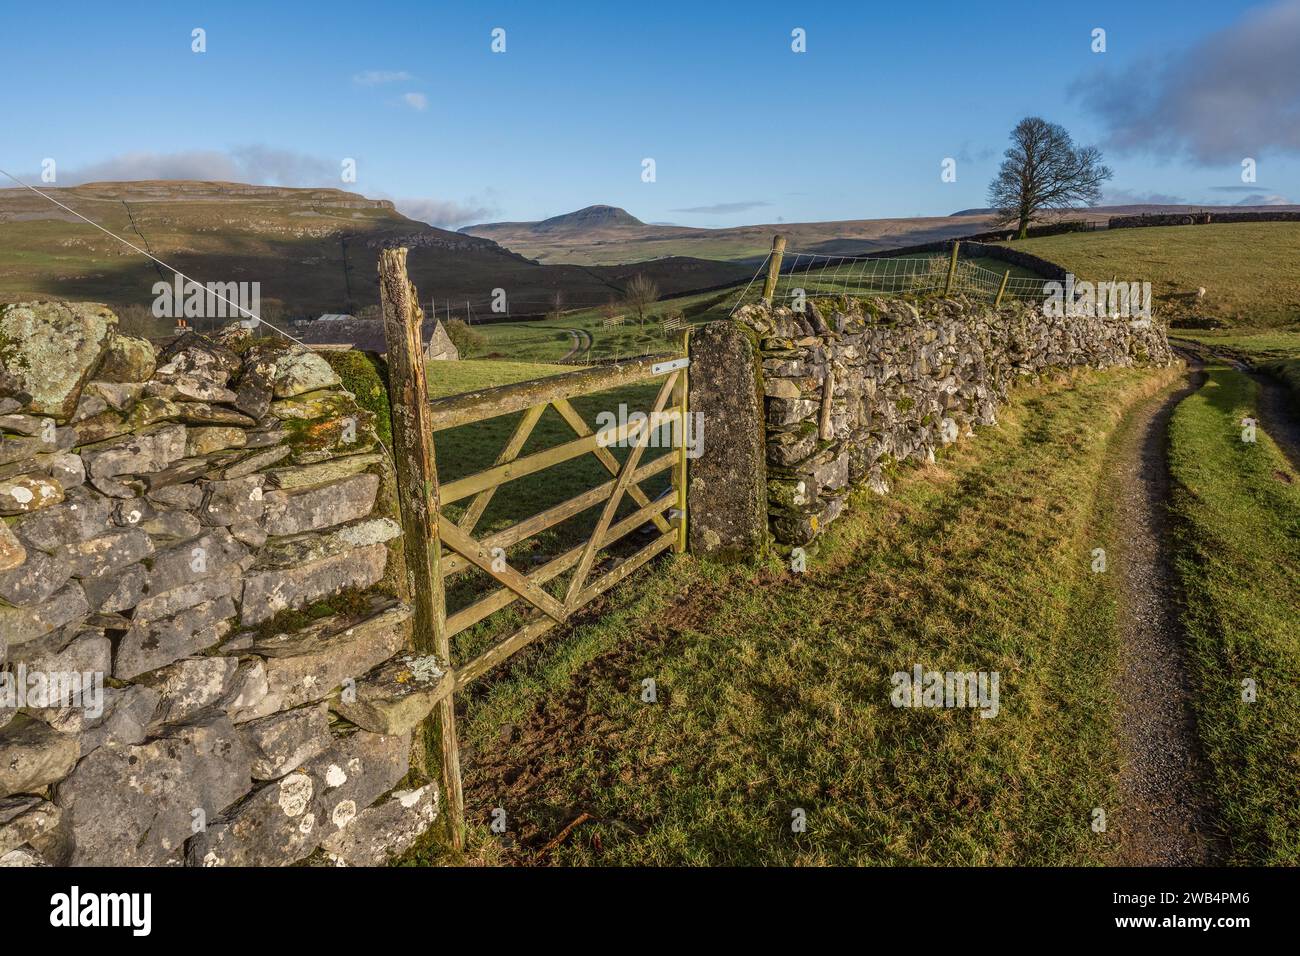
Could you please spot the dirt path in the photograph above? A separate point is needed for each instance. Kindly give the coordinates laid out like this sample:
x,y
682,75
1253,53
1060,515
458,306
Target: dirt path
x,y
1165,818
581,344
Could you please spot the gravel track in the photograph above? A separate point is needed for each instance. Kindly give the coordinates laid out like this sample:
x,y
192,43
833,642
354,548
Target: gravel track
x,y
1165,817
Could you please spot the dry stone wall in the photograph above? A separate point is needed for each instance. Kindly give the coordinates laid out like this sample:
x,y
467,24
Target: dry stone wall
x,y
204,647
852,387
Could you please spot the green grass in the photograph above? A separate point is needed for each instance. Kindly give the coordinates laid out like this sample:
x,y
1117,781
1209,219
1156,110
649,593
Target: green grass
x,y
1247,269
1238,556
547,340
1289,373
774,687
468,375
1251,345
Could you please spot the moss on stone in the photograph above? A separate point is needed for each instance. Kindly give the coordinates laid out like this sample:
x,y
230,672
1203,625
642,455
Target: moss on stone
x,y
349,602
365,375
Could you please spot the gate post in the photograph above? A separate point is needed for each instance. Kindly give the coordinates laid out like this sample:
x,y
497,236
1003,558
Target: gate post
x,y
417,486
727,488
681,398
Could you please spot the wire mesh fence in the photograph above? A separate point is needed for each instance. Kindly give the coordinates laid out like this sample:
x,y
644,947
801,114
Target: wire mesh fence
x,y
804,275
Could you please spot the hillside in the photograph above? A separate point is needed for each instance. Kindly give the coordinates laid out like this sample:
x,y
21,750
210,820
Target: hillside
x,y
604,235
1247,269
312,250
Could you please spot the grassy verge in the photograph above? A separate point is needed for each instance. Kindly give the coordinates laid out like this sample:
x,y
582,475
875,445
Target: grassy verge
x,y
773,688
1288,372
1238,555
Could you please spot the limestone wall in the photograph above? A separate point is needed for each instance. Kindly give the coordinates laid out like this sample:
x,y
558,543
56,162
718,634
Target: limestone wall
x,y
207,533
852,387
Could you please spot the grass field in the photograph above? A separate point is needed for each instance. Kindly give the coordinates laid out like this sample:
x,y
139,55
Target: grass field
x,y
1237,506
547,340
1247,269
1249,345
773,688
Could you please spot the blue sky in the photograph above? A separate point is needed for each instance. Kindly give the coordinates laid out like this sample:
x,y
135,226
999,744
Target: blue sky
x,y
741,128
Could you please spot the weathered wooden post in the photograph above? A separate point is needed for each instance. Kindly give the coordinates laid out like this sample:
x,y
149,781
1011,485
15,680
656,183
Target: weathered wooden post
x,y
417,487
773,268
952,269
1002,289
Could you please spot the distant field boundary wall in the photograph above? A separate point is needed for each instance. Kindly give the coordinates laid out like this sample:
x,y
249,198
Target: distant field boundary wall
x,y
1199,219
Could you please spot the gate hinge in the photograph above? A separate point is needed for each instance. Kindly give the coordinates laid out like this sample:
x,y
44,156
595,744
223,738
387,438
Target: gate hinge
x,y
660,367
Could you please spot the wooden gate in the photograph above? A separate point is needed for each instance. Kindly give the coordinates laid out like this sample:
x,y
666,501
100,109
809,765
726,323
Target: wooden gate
x,y
439,548
488,553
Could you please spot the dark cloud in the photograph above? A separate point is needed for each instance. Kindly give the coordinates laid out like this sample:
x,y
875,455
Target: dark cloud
x,y
1234,94
726,207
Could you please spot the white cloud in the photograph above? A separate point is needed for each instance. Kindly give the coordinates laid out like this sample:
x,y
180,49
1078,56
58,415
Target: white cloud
x,y
1130,197
726,207
377,77
1264,199
263,165
416,101
445,213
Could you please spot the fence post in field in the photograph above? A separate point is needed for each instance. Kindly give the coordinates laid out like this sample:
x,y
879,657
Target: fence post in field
x,y
1002,289
417,486
952,268
773,268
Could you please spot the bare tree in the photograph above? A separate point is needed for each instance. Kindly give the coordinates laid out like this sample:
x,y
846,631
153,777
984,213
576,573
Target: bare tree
x,y
557,306
641,293
1043,169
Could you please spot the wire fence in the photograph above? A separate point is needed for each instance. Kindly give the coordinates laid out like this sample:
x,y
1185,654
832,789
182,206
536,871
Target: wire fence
x,y
804,275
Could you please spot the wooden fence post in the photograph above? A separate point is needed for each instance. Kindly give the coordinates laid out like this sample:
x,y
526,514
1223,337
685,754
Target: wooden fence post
x,y
1001,289
952,268
773,268
417,486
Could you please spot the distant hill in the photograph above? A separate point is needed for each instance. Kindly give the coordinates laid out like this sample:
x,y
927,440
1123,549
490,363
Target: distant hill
x,y
589,217
592,240
312,250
